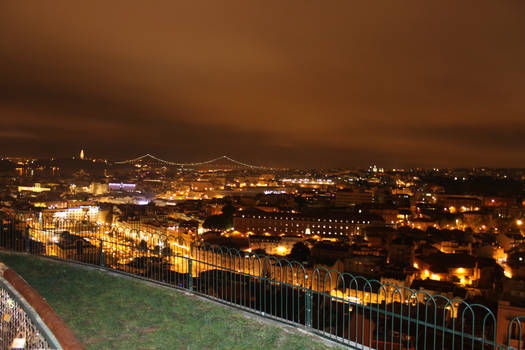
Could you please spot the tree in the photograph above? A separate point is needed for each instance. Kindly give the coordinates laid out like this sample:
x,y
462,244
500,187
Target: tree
x,y
228,209
166,251
222,221
215,222
142,246
301,203
259,252
300,252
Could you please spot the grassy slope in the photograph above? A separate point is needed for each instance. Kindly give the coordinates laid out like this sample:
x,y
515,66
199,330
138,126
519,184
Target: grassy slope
x,y
108,312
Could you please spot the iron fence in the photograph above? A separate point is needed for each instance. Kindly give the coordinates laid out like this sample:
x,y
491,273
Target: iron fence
x,y
350,310
20,326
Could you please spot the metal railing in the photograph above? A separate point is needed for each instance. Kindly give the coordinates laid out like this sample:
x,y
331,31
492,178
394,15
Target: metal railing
x,y
20,325
350,310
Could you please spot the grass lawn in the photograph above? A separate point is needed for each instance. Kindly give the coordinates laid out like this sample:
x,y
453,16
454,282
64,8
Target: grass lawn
x,y
109,312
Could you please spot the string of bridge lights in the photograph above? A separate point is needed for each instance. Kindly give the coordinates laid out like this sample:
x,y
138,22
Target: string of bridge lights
x,y
190,164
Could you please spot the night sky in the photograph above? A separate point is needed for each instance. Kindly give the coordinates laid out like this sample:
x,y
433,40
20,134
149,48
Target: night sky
x,y
279,83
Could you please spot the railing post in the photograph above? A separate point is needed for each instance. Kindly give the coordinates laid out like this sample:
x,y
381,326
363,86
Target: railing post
x,y
101,253
26,240
308,308
190,274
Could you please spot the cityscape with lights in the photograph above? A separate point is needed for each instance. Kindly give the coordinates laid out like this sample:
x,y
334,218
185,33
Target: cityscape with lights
x,y
262,175
454,233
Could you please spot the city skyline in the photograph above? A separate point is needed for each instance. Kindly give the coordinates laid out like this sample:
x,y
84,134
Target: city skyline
x,y
353,172
152,160
284,85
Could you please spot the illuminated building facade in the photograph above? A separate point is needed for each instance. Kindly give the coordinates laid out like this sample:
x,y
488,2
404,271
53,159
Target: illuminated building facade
x,y
456,268
273,245
36,188
121,187
84,212
321,224
507,311
457,203
349,197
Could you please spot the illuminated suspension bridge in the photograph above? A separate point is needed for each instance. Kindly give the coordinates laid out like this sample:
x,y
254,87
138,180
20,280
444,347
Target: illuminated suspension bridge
x,y
219,162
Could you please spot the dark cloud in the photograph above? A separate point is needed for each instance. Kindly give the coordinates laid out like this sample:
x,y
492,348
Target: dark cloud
x,y
293,83
499,137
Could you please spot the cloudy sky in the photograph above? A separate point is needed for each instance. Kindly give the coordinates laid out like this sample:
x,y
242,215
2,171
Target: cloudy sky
x,y
278,83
